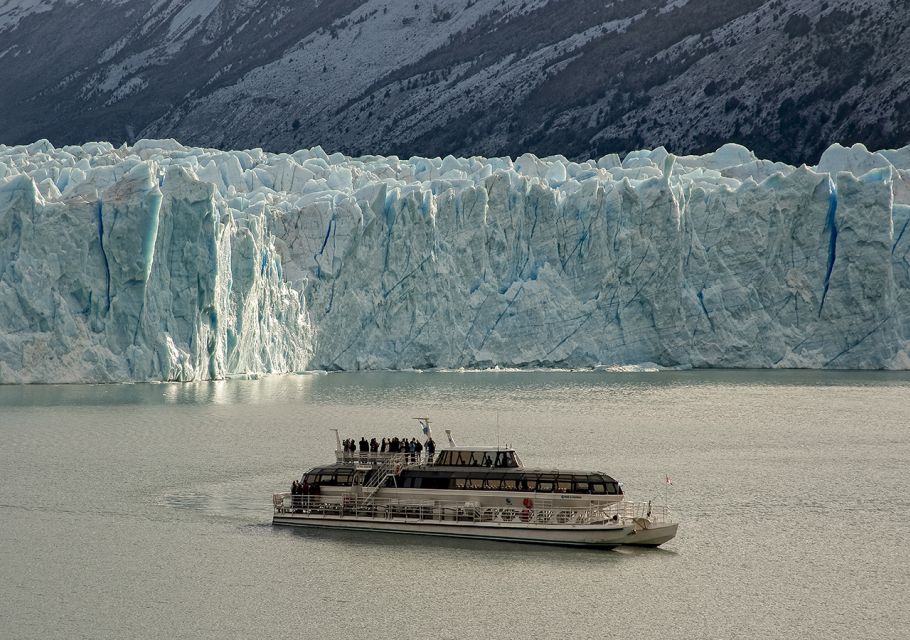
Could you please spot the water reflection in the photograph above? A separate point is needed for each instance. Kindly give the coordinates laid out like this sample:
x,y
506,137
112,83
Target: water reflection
x,y
486,390
271,389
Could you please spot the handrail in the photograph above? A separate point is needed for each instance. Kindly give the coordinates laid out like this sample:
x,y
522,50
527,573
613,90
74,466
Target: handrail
x,y
542,512
376,457
382,472
391,464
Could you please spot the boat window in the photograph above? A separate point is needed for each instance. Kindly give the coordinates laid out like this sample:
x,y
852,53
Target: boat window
x,y
310,478
613,489
492,483
545,482
458,483
507,459
343,478
326,479
444,458
580,484
564,484
478,459
475,483
463,458
435,482
528,483
598,487
509,484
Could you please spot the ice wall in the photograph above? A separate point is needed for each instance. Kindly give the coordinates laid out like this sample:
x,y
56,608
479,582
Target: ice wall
x,y
159,261
116,268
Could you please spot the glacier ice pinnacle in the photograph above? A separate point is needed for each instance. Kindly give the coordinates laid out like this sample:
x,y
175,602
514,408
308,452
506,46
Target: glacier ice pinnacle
x,y
164,262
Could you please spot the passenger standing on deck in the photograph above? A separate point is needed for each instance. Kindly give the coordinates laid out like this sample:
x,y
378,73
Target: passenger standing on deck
x,y
431,448
295,493
418,448
374,446
383,446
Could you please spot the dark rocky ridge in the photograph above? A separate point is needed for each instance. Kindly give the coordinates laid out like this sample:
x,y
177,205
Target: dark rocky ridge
x,y
785,78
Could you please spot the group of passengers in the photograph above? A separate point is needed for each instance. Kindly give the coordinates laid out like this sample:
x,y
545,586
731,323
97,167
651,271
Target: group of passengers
x,y
412,448
304,488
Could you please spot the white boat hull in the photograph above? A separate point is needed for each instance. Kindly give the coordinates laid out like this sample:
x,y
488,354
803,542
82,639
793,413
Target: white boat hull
x,y
653,536
596,536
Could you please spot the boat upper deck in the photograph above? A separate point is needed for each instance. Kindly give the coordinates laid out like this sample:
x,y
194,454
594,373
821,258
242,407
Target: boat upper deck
x,y
468,472
492,457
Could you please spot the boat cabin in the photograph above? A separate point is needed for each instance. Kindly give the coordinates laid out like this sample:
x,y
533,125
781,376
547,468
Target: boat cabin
x,y
455,468
471,478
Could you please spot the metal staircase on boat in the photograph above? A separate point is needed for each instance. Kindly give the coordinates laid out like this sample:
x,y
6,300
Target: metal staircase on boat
x,y
388,466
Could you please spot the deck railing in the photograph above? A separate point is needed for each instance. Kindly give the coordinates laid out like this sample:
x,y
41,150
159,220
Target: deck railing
x,y
542,512
381,458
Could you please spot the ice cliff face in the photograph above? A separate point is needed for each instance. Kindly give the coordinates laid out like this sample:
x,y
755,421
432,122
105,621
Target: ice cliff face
x,y
120,267
159,261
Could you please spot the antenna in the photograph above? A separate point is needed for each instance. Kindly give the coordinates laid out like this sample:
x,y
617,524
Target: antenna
x,y
451,439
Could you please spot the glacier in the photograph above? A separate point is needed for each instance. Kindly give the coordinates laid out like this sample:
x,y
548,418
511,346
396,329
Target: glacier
x,y
158,261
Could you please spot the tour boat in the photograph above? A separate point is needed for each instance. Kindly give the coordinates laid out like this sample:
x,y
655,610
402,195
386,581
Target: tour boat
x,y
470,492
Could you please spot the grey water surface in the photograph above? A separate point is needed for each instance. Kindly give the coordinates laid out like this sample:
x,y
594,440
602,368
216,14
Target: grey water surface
x,y
142,511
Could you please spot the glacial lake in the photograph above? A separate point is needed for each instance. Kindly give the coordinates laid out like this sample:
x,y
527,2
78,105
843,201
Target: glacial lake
x,y
143,511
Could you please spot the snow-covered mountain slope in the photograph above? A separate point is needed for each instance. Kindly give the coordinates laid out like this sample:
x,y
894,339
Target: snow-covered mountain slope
x,y
160,261
494,77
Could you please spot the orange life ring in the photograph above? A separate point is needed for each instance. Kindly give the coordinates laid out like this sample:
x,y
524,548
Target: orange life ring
x,y
528,503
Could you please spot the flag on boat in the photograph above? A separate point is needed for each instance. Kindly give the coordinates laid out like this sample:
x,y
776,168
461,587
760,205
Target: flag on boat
x,y
670,482
424,426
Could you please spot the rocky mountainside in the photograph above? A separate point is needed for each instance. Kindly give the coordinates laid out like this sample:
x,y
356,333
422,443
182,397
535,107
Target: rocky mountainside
x,y
783,77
